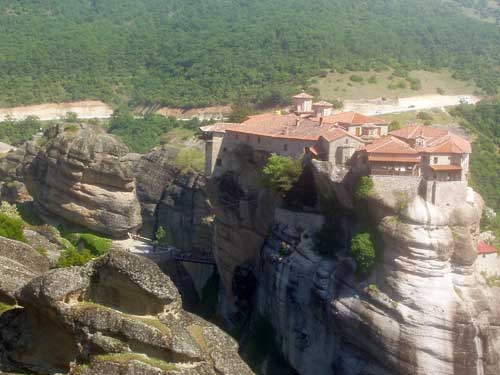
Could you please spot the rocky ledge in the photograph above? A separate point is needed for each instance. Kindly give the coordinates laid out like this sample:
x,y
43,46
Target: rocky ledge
x,y
118,315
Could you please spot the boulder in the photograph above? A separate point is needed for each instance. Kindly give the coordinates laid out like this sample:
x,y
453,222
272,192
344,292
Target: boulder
x,y
82,175
19,264
118,315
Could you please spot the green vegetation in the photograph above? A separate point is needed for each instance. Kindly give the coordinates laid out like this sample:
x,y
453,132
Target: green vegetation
x,y
11,227
4,307
411,117
425,117
363,252
492,223
356,78
483,121
282,173
161,236
334,85
364,189
17,132
142,134
187,53
82,248
190,160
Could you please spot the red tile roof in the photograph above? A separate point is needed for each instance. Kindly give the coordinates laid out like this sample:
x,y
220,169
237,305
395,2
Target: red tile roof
x,y
484,248
390,145
449,144
414,131
289,126
437,140
347,119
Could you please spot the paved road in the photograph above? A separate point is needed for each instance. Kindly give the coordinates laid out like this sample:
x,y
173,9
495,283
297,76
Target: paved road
x,y
414,103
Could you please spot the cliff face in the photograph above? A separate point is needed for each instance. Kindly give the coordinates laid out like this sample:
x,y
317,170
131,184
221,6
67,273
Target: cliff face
x,y
424,310
83,175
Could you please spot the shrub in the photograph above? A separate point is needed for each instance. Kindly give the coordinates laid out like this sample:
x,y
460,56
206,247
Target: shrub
x,y
415,83
11,227
190,160
373,80
9,210
72,257
397,85
440,91
282,172
402,201
337,104
161,236
425,117
364,189
363,252
356,78
71,117
97,245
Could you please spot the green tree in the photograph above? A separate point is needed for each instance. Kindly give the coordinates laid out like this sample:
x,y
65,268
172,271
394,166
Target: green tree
x,y
282,172
364,188
363,252
161,236
11,227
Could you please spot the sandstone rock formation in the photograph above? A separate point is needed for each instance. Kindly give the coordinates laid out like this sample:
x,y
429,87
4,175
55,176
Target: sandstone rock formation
x,y
118,315
19,263
424,310
82,175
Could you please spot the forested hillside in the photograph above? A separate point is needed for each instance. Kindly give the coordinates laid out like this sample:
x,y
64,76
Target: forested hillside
x,y
193,53
483,120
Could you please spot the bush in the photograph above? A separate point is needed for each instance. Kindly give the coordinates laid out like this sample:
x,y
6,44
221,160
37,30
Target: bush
x,y
415,83
425,117
42,251
97,245
397,85
11,227
364,189
337,104
282,172
373,80
440,91
356,78
363,252
72,257
9,210
190,160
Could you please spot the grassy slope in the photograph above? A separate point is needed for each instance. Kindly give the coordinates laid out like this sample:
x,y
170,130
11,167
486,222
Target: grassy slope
x,y
339,86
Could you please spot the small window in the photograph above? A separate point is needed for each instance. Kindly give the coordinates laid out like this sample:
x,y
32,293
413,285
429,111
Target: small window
x,y
285,147
224,149
435,160
347,141
258,140
248,138
218,162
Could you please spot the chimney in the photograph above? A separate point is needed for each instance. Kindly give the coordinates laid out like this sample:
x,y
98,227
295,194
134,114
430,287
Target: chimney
x,y
321,122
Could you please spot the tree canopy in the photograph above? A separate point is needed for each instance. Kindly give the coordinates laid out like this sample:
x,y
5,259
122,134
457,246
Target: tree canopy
x,y
189,53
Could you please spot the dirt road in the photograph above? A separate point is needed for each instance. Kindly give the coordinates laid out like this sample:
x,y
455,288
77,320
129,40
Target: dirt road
x,y
54,111
414,103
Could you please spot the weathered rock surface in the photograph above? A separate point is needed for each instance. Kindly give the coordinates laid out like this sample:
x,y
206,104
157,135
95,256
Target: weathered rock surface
x,y
118,315
424,310
82,175
19,264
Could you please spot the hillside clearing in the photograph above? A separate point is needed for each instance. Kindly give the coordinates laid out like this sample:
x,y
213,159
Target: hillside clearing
x,y
341,86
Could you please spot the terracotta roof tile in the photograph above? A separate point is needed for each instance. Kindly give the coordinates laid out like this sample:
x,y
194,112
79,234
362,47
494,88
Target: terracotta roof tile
x,y
347,119
395,158
390,145
290,126
484,248
414,131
